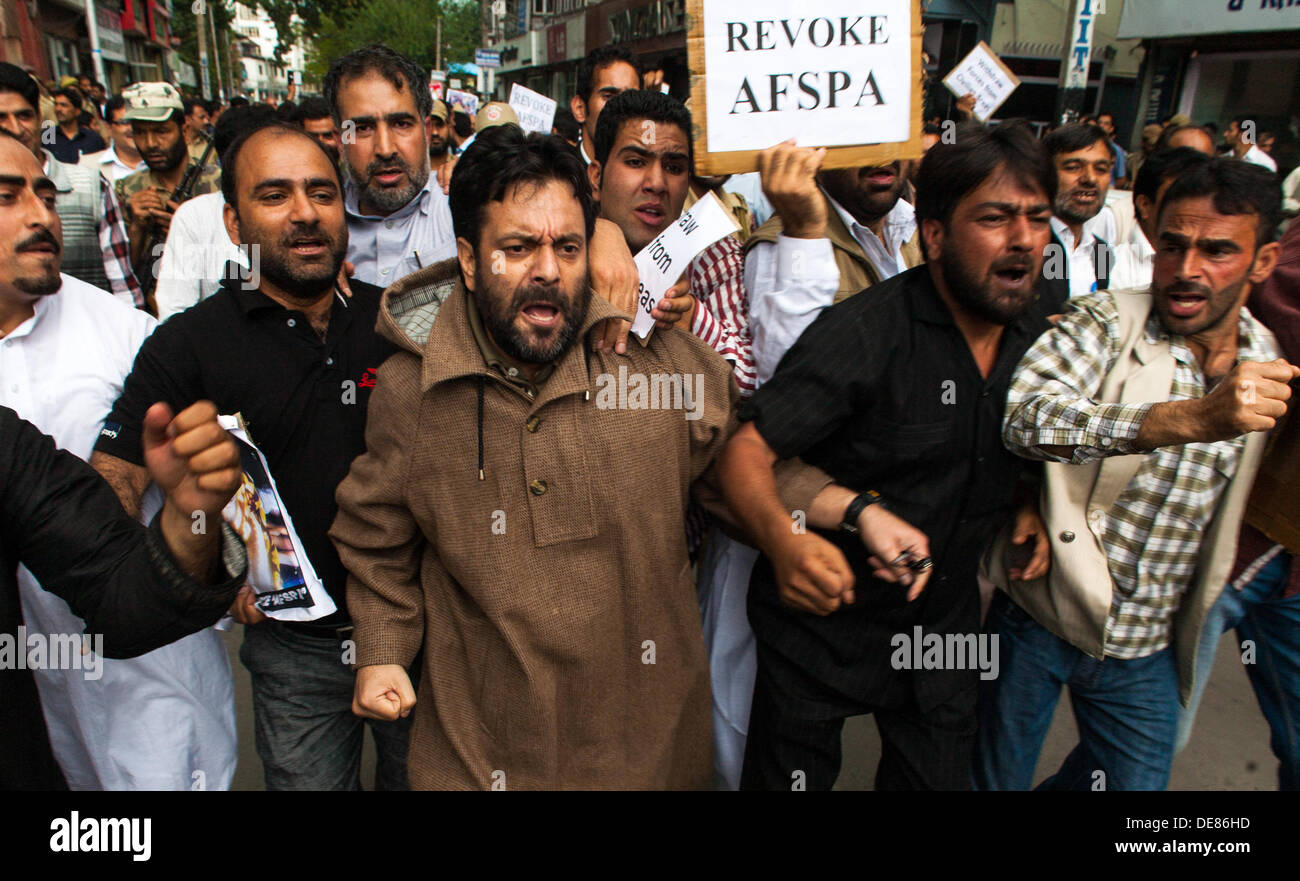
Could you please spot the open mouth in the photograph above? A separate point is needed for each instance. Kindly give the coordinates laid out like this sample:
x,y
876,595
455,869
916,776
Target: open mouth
x,y
1186,305
1086,196
389,176
307,247
651,214
541,315
1012,277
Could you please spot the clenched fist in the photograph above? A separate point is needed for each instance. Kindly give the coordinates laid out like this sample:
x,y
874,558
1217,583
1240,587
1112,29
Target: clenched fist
x,y
1252,397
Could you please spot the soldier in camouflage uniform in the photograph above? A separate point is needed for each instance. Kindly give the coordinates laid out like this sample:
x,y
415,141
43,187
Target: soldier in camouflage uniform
x,y
157,117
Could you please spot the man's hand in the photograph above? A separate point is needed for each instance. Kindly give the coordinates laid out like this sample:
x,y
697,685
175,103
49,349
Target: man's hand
x,y
676,308
1252,397
613,275
143,204
893,541
444,173
191,458
345,271
812,574
244,609
383,691
789,177
652,79
966,105
1030,529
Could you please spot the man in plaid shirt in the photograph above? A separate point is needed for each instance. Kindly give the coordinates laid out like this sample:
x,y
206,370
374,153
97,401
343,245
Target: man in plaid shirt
x,y
1162,512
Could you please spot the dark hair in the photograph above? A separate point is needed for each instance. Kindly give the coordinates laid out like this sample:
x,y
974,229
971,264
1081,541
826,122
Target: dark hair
x,y
191,103
597,59
566,124
238,101
238,121
1241,118
229,186
1076,136
212,106
73,96
1162,165
399,70
931,129
1106,113
1237,187
503,155
950,171
640,104
114,102
312,108
1167,135
13,79
287,110
461,122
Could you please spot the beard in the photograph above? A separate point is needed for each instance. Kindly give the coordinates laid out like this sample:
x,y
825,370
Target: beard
x,y
389,199
179,153
499,316
1065,208
979,296
277,263
862,199
1219,305
45,283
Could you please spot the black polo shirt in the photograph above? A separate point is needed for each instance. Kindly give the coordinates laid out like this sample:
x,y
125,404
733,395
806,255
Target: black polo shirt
x,y
882,393
304,400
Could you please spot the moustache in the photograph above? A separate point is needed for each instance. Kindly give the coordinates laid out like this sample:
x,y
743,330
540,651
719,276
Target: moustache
x,y
1018,261
305,236
397,163
538,294
40,237
1187,287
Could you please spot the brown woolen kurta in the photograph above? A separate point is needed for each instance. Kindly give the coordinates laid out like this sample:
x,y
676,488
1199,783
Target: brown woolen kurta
x,y
553,599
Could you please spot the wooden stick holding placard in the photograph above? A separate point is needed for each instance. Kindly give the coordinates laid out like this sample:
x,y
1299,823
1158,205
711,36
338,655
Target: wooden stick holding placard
x,y
738,161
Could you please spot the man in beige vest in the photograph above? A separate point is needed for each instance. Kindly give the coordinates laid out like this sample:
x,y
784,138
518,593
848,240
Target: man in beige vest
x,y
834,233
1152,409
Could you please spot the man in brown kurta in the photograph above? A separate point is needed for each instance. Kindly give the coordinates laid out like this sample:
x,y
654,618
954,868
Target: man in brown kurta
x,y
518,514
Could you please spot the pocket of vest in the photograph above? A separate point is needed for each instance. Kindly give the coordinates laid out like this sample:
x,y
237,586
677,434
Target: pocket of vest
x,y
897,435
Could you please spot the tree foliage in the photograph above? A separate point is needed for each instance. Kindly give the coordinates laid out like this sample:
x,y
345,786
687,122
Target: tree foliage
x,y
408,26
184,26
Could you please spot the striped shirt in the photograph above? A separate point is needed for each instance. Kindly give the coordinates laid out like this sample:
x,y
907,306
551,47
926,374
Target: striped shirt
x,y
717,279
1152,534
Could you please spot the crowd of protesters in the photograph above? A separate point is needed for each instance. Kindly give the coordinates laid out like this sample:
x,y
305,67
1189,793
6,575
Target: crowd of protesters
x,y
1022,400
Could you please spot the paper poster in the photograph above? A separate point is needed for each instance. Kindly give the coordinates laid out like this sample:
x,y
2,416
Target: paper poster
x,y
982,74
536,112
279,572
462,101
662,262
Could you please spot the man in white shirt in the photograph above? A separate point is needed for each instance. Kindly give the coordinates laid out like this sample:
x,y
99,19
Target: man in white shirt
x,y
1082,232
1134,256
857,231
398,217
1240,135
121,158
164,720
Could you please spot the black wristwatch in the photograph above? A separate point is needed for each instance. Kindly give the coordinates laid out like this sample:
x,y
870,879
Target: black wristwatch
x,y
859,504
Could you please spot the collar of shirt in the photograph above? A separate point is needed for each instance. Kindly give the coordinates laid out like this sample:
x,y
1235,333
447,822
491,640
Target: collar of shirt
x,y
509,369
1091,227
420,203
252,300
1138,240
39,308
897,227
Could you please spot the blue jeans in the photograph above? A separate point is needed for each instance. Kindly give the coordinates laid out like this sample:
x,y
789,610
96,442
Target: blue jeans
x,y
1272,624
1126,711
306,734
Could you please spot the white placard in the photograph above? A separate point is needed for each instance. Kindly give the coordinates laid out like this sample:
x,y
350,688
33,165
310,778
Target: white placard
x,y
536,112
660,263
982,74
834,73
462,101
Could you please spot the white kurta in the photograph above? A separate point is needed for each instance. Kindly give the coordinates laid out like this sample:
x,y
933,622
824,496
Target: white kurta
x,y
149,722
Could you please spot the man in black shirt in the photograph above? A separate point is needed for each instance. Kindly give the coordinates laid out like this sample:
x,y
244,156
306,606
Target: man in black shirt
x,y
297,359
898,396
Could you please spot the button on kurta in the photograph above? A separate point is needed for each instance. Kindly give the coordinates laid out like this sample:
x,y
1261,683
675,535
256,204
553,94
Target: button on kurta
x,y
533,424
537,487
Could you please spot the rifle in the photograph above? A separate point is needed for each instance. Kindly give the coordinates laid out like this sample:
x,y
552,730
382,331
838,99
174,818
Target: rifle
x,y
184,190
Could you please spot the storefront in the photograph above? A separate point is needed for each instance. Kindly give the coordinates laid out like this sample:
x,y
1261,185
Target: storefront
x,y
1216,60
